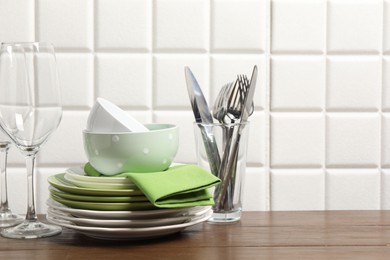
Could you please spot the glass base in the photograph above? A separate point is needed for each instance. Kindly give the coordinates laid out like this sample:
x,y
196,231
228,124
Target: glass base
x,y
30,230
225,217
8,219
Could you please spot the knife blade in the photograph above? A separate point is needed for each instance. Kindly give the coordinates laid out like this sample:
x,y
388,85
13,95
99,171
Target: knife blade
x,y
199,104
203,115
249,97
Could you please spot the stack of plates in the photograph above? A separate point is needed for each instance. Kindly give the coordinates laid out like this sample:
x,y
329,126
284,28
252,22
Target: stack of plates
x,y
113,208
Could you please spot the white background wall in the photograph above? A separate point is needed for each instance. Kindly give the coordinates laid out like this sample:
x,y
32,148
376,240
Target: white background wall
x,y
320,134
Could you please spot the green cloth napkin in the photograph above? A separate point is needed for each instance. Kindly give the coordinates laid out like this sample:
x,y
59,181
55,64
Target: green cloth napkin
x,y
179,186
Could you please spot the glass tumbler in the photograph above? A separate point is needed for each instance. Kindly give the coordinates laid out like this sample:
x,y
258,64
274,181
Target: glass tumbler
x,y
222,149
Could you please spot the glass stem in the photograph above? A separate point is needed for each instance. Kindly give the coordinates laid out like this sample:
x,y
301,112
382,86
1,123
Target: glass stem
x,y
3,178
30,165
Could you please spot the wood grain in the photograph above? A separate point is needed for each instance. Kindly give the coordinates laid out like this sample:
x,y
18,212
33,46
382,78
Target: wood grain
x,y
259,235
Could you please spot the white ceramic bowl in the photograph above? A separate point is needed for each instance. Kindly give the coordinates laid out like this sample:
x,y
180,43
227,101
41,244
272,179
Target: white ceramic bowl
x,y
107,117
152,151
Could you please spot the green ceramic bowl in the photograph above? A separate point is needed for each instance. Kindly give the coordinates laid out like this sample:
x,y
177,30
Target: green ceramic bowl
x,y
113,153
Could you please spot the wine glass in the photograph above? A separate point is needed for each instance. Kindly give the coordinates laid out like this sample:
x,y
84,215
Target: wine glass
x,y
30,111
7,218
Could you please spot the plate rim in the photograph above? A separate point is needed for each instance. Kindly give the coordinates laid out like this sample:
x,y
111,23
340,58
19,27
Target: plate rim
x,y
102,206
73,172
118,222
200,219
56,182
120,213
92,198
98,185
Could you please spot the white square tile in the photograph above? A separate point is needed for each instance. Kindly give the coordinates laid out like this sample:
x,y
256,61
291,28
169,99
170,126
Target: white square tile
x,y
170,91
298,26
124,79
298,189
348,29
386,83
181,25
249,34
185,121
385,190
353,189
386,24
354,83
17,21
65,146
385,142
297,140
225,68
68,24
76,76
257,139
297,83
123,24
256,190
353,140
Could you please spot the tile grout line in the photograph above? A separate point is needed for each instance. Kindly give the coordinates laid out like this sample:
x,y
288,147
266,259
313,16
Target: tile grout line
x,y
381,124
152,59
325,90
267,111
95,61
36,22
210,43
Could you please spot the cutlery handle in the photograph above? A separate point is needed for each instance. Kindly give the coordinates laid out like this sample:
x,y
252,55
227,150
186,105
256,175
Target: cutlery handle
x,y
224,169
211,149
230,168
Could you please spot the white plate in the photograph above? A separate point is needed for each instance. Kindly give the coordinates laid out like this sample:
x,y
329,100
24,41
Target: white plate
x,y
78,174
130,233
136,214
124,223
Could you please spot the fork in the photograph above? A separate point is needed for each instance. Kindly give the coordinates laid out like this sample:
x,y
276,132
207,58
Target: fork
x,y
233,105
227,185
229,162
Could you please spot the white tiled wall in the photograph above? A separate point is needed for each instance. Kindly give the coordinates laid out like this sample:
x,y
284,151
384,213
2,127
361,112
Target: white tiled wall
x,y
328,104
320,134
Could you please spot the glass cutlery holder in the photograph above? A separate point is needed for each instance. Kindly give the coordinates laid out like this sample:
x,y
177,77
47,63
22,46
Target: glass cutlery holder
x,y
229,143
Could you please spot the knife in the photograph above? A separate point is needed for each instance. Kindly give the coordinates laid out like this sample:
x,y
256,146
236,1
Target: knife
x,y
203,115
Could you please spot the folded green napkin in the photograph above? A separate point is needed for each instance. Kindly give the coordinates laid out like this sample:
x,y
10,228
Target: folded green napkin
x,y
179,186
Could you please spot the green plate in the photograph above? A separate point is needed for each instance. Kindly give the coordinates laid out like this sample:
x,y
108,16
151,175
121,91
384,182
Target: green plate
x,y
76,197
78,173
62,184
95,185
105,206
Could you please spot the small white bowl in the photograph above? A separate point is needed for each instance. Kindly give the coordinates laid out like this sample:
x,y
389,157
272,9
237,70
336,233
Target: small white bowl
x,y
113,153
107,117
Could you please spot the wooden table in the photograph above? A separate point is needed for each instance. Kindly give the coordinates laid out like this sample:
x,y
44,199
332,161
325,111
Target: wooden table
x,y
259,235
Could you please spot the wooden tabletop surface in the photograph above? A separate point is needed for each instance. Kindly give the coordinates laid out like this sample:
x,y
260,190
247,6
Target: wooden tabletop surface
x,y
259,235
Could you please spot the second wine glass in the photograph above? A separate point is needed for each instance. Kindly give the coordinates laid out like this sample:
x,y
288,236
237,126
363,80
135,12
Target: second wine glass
x,y
7,218
30,111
